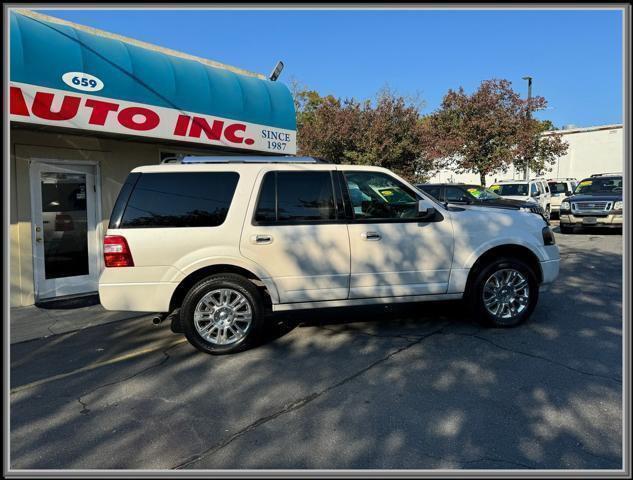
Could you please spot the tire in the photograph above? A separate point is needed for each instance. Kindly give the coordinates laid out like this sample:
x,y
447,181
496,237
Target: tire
x,y
548,213
483,276
224,322
566,229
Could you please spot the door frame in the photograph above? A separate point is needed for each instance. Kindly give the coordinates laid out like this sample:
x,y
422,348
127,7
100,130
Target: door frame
x,y
98,247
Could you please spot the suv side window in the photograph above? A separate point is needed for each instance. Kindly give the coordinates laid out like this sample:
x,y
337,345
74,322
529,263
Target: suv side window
x,y
291,197
435,192
182,199
375,195
533,189
454,194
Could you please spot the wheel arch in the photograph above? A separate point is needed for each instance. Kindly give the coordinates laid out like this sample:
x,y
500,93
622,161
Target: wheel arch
x,y
517,251
263,283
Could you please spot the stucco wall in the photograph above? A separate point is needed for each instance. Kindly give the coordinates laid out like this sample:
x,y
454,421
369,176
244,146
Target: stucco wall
x,y
590,151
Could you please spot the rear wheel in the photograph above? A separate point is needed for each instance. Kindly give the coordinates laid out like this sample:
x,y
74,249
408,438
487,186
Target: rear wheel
x,y
222,314
504,293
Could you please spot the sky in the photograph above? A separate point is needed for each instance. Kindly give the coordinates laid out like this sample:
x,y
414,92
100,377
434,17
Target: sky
x,y
574,56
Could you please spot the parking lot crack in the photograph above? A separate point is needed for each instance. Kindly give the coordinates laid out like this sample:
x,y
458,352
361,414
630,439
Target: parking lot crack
x,y
546,359
298,404
85,410
362,332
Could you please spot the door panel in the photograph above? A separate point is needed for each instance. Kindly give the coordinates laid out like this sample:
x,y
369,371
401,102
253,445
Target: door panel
x,y
392,253
65,247
293,232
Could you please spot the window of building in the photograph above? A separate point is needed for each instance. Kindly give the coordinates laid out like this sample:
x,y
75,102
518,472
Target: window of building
x,y
187,199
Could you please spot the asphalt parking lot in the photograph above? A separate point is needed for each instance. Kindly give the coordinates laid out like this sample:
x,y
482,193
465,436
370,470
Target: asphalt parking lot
x,y
410,386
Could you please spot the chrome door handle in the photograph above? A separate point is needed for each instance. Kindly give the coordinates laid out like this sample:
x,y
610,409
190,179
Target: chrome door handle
x,y
38,239
262,239
371,236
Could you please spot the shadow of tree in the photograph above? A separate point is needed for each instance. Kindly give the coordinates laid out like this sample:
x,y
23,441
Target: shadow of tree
x,y
395,386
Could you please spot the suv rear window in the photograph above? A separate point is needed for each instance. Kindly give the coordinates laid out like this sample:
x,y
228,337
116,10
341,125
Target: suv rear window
x,y
290,197
180,199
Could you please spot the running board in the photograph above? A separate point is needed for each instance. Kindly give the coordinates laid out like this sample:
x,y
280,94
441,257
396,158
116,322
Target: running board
x,y
281,307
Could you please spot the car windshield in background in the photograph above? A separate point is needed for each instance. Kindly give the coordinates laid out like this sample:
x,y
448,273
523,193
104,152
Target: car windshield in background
x,y
481,193
558,187
599,186
506,189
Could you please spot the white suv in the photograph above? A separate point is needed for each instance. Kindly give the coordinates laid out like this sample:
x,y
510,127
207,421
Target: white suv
x,y
560,188
217,242
536,190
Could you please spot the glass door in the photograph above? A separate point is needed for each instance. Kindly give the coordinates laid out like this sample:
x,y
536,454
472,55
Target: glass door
x,y
65,243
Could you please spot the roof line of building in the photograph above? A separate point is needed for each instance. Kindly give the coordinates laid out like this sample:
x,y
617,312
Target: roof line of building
x,y
138,43
584,129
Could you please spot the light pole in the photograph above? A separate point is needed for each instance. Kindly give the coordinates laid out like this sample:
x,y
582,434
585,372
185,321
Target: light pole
x,y
526,175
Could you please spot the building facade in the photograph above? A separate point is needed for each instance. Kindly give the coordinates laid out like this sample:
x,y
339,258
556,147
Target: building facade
x,y
86,107
591,150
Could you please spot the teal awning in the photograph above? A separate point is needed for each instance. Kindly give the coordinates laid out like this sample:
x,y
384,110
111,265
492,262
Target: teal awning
x,y
42,52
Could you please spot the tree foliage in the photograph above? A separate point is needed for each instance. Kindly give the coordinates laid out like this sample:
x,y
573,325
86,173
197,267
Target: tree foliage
x,y
488,131
385,132
485,132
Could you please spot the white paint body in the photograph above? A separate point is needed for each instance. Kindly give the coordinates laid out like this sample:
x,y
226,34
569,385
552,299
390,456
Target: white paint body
x,y
308,266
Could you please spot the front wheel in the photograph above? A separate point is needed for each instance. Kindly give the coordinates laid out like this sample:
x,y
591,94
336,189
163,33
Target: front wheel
x,y
222,314
504,293
566,229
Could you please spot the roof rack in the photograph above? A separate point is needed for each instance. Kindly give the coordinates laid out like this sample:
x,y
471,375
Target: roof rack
x,y
605,174
195,159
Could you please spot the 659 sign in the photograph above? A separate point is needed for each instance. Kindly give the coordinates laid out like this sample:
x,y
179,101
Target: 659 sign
x,y
82,81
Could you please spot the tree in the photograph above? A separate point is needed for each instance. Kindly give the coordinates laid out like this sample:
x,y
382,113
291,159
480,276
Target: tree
x,y
385,132
488,131
537,151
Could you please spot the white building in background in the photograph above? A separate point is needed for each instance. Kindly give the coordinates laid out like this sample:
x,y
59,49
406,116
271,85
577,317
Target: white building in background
x,y
591,150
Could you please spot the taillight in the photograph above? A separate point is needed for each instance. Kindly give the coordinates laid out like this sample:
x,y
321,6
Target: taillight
x,y
116,252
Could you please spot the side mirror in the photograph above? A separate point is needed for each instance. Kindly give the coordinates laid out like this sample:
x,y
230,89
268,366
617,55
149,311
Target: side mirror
x,y
425,209
536,194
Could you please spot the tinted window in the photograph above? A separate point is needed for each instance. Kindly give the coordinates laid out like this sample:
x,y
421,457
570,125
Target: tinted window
x,y
305,196
378,196
266,210
558,187
540,187
296,197
433,191
188,199
454,194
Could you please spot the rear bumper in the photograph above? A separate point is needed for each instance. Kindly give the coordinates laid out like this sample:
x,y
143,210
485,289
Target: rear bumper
x,y
613,220
550,270
137,297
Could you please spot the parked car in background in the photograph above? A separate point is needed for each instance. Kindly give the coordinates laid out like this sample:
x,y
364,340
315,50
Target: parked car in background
x,y
470,194
535,190
216,242
560,188
596,202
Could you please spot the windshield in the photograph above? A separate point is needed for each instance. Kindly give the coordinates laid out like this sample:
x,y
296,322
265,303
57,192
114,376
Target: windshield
x,y
481,193
558,187
507,189
599,186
